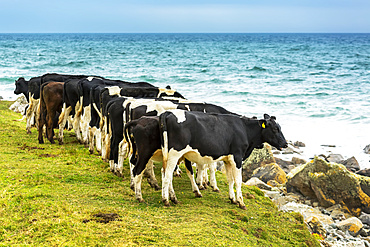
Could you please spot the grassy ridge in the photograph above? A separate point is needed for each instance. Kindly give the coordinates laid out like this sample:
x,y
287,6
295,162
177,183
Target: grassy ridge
x,y
52,195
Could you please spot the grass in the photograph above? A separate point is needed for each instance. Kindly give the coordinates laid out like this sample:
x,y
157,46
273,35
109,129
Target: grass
x,y
52,195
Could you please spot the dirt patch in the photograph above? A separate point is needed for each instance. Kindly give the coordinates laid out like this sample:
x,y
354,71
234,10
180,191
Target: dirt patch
x,y
104,218
24,147
48,155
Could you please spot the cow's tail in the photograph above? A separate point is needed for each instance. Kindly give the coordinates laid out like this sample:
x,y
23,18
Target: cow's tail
x,y
42,107
164,137
131,146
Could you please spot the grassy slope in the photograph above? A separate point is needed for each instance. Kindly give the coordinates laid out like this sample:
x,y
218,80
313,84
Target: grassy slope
x,y
49,194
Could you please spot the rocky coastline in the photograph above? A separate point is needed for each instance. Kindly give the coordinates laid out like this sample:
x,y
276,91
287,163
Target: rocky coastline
x,y
330,192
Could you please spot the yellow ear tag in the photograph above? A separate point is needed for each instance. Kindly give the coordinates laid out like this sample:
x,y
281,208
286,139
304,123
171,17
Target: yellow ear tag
x,y
263,125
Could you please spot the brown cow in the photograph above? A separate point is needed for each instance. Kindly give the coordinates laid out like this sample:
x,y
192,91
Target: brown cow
x,y
51,102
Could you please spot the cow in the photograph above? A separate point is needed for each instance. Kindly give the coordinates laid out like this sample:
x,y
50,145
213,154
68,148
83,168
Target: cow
x,y
139,108
51,101
96,94
204,138
144,139
31,90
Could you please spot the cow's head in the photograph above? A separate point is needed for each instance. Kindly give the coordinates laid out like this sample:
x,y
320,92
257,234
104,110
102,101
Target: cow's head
x,y
271,132
21,86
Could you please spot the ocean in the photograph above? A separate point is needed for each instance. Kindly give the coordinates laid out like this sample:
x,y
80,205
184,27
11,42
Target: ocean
x,y
317,85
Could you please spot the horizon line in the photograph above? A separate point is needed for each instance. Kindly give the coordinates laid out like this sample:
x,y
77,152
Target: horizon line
x,y
184,32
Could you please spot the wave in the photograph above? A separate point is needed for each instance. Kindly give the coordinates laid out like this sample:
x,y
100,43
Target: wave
x,y
257,68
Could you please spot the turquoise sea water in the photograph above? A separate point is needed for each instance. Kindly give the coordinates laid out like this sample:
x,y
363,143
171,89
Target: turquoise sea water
x,y
318,85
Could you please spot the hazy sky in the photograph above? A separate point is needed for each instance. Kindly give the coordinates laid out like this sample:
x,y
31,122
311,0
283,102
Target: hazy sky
x,y
127,16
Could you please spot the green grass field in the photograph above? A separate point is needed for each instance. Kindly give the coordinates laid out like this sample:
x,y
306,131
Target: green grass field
x,y
54,195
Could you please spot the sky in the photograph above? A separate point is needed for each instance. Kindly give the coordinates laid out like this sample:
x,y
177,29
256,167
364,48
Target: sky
x,y
185,16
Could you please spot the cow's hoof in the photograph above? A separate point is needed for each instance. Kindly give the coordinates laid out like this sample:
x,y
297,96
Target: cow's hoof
x,y
166,203
233,201
29,132
197,194
174,200
140,200
201,187
216,190
41,142
156,187
243,207
61,142
91,151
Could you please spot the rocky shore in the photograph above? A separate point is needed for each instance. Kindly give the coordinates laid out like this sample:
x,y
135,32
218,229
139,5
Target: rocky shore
x,y
331,193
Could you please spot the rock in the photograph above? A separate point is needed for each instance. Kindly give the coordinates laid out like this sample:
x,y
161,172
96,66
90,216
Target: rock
x,y
270,172
364,183
367,149
351,164
287,166
365,218
258,183
299,144
298,161
330,184
272,194
288,150
258,158
352,225
273,183
306,211
364,172
315,225
335,158
339,214
19,105
364,232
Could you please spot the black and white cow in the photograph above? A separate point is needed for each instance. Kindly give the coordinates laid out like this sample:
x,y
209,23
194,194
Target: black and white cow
x,y
143,136
135,90
204,138
136,110
31,90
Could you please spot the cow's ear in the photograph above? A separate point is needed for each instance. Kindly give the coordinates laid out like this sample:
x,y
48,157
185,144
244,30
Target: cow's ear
x,y
262,123
273,118
266,116
168,87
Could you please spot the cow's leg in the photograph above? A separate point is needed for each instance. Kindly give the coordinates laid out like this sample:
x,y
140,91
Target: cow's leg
x,y
85,124
212,176
98,141
41,127
137,182
167,175
77,121
237,175
103,142
29,114
49,125
149,174
122,152
230,179
92,131
190,173
63,121
200,176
